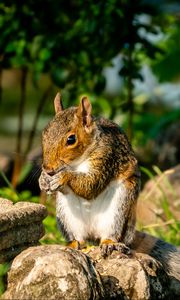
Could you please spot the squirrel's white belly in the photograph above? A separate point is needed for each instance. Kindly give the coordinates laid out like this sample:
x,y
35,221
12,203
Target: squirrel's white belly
x,y
91,218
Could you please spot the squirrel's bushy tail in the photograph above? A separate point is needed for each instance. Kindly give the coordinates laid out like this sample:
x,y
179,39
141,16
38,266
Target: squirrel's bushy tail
x,y
167,254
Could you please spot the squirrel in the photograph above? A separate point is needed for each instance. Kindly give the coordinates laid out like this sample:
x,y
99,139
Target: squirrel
x,y
89,164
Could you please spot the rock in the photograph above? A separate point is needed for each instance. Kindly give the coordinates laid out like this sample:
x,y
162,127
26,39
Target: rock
x,y
166,253
20,213
156,192
57,272
5,205
137,277
20,227
21,234
10,253
50,272
33,160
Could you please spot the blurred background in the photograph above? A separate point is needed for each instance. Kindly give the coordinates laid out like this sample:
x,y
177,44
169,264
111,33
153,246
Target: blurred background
x,y
123,54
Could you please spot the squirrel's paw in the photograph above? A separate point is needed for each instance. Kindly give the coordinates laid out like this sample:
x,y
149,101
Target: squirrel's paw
x,y
108,246
50,184
44,181
74,245
55,182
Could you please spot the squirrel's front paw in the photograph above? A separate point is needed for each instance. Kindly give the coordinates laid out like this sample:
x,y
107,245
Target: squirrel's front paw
x,y
57,182
44,181
53,183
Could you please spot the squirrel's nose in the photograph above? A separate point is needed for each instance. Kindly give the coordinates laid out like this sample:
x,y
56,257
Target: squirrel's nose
x,y
50,172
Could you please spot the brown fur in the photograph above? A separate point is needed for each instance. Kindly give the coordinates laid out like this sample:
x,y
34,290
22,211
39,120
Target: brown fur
x,y
110,156
167,254
105,146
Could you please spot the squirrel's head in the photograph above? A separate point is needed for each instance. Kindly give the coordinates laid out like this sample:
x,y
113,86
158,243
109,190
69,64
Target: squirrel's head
x,y
68,135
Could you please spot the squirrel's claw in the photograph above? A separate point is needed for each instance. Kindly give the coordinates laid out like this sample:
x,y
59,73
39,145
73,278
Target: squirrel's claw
x,y
109,247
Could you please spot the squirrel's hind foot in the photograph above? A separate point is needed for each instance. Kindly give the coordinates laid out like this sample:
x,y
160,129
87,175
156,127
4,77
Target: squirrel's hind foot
x,y
108,246
74,244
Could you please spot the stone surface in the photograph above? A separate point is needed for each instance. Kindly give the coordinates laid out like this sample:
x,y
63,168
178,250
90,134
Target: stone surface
x,y
164,187
57,272
10,253
20,213
49,272
166,253
137,277
20,227
5,205
21,234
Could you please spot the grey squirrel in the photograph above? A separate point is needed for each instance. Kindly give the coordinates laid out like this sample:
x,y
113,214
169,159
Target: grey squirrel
x,y
90,165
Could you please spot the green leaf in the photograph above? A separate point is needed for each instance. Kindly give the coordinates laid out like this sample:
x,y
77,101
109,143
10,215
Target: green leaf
x,y
60,76
44,54
4,268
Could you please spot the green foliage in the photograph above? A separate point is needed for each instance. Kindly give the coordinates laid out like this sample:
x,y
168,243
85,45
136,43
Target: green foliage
x,y
170,229
4,177
72,41
11,194
8,192
79,41
3,271
154,123
52,235
167,66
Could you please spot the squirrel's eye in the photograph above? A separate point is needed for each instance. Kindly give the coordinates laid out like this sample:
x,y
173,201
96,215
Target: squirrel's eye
x,y
71,139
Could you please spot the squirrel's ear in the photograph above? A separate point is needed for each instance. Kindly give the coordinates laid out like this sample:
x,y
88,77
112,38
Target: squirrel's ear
x,y
86,109
58,106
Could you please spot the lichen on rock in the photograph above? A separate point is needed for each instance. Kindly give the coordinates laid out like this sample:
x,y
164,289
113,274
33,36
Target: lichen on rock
x,y
51,272
58,272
